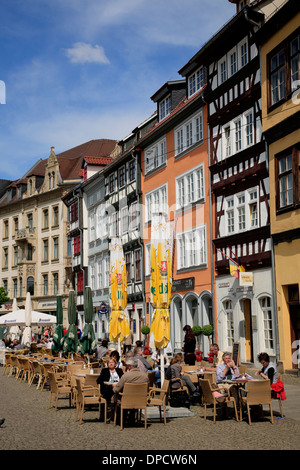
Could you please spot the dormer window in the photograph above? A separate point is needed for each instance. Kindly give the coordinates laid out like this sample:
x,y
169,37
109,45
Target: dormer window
x,y
165,107
196,81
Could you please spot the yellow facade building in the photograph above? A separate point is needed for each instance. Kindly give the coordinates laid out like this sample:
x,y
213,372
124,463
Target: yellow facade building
x,y
280,78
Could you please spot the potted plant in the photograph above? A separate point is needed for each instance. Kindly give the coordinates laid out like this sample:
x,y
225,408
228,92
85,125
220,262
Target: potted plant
x,y
197,330
145,330
207,330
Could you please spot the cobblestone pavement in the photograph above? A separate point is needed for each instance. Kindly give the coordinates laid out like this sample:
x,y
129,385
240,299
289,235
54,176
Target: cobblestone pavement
x,y
30,425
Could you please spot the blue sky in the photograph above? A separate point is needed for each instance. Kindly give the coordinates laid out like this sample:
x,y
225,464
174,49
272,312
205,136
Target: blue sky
x,y
76,70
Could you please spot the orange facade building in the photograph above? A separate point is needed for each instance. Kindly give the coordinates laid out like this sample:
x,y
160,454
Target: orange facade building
x,y
175,179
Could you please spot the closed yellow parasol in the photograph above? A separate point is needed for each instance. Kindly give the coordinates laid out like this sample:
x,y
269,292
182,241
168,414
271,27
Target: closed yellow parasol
x,y
119,324
161,281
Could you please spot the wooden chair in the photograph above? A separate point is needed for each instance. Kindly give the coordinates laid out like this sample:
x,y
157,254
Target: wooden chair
x,y
58,387
133,397
88,396
257,393
8,363
181,388
214,397
243,369
157,397
26,369
37,373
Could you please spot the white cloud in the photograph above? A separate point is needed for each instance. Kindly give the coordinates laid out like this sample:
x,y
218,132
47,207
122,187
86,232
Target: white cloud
x,y
82,53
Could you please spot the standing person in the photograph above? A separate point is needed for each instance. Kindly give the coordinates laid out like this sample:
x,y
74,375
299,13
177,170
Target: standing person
x,y
189,346
127,343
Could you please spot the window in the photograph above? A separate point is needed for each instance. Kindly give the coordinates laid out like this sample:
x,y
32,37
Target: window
x,y
191,248
114,224
284,69
156,155
287,179
16,225
165,107
15,255
137,265
91,217
233,64
124,220
128,266
45,284
74,212
111,183
196,81
55,216
190,187
189,133
46,218
30,285
277,77
6,232
265,305
55,248
29,252
30,222
15,287
229,322
244,54
46,250
20,286
249,130
242,211
223,73
238,135
156,201
69,246
131,170
55,283
122,176
227,142
76,245
92,273
133,216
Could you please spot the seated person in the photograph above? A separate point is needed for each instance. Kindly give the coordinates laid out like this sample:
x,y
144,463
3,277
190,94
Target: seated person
x,y
174,372
228,370
114,354
218,357
269,370
138,353
111,374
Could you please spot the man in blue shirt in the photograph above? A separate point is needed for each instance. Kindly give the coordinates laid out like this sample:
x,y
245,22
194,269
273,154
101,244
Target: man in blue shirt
x,y
228,370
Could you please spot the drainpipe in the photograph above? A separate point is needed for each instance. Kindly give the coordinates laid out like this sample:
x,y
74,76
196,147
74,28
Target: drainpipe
x,y
211,235
275,313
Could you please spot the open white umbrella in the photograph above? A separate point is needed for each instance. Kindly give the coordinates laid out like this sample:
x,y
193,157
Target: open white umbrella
x,y
18,318
27,338
15,330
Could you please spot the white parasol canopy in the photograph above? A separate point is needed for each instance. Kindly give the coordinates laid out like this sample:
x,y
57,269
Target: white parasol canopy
x,y
26,337
18,318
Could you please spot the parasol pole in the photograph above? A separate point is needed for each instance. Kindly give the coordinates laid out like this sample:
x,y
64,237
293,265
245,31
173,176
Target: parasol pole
x,y
162,367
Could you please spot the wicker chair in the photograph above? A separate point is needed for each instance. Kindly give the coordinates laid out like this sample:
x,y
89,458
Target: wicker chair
x,y
8,363
58,387
214,397
257,393
88,396
157,397
37,373
133,397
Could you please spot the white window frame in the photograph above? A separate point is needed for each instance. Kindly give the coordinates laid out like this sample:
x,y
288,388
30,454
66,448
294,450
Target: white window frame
x,y
267,319
229,318
124,220
239,211
192,248
165,107
196,81
189,133
155,155
190,187
156,201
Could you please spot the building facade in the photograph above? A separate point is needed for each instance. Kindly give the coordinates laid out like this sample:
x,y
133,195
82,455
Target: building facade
x,y
280,68
174,163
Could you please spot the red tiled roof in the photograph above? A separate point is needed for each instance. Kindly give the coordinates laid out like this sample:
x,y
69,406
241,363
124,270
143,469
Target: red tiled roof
x,y
97,160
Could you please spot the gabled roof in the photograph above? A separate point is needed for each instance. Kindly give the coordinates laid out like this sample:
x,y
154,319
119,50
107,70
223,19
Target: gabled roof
x,y
96,160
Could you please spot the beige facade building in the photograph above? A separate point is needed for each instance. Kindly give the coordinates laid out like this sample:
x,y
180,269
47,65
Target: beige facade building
x,y
36,252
